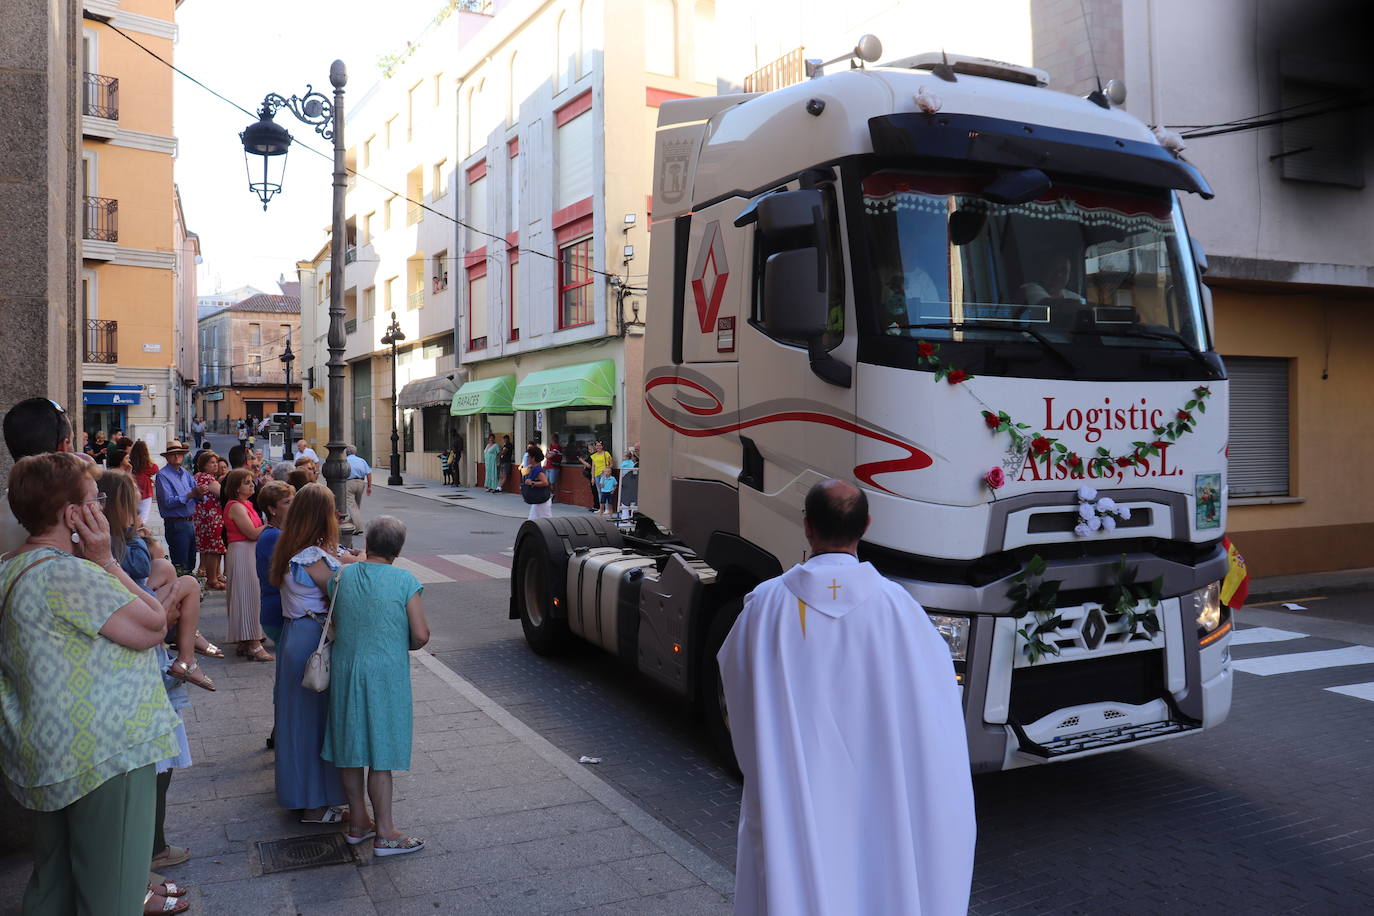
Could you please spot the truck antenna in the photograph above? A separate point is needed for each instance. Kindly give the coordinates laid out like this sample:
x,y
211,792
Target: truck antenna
x,y
1097,96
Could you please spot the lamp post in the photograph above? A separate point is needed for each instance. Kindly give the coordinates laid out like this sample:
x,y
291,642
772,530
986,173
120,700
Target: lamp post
x,y
394,335
271,141
287,359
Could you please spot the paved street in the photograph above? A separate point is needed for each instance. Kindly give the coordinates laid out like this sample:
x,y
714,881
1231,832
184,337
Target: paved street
x,y
1267,814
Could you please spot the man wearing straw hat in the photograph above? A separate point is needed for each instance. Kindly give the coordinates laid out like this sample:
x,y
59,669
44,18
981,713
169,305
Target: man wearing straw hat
x,y
177,495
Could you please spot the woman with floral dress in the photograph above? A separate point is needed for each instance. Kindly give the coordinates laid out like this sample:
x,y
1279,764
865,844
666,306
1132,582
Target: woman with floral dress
x,y
209,520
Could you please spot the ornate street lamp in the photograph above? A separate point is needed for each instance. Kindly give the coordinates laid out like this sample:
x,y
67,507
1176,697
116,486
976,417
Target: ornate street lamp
x,y
269,140
394,335
287,359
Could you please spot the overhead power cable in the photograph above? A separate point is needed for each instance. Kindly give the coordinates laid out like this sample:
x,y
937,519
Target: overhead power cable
x,y
354,172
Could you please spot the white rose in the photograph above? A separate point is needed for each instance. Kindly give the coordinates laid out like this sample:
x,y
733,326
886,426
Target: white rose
x,y
1086,511
1087,494
1094,523
1108,523
1106,504
1123,513
1082,530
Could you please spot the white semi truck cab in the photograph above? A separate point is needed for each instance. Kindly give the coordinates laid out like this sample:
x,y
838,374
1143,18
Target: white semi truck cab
x,y
977,298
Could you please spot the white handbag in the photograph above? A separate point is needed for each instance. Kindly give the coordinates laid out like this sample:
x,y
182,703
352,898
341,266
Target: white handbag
x,y
316,676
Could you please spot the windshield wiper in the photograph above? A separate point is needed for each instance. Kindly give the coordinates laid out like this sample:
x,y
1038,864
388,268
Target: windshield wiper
x,y
1158,333
988,326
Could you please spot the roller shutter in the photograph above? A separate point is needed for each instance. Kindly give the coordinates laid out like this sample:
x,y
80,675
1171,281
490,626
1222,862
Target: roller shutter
x,y
1258,463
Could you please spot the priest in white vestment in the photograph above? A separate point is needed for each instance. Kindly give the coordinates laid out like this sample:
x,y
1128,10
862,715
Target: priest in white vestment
x,y
847,723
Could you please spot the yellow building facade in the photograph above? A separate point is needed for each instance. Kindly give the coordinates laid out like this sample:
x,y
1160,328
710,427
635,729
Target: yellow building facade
x,y
131,377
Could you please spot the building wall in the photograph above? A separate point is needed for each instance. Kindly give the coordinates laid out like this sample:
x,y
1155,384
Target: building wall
x,y
39,197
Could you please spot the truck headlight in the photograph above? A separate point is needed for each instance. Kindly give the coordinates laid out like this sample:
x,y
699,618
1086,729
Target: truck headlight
x,y
1207,600
955,632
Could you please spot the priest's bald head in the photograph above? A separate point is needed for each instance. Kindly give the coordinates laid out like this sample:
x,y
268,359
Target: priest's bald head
x,y
836,516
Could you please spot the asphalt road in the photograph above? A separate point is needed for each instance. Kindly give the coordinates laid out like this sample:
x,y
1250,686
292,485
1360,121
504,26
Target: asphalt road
x,y
1269,813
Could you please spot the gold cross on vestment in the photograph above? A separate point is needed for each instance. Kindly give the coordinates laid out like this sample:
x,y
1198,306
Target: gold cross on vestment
x,y
834,587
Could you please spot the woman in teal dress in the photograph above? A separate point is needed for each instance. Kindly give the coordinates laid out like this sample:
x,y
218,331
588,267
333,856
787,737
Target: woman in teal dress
x,y
489,458
378,615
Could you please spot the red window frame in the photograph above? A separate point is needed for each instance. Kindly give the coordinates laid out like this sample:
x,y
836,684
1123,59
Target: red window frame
x,y
513,256
476,272
576,280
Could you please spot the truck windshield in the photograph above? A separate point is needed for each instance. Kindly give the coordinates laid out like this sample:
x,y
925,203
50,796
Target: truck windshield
x,y
1079,268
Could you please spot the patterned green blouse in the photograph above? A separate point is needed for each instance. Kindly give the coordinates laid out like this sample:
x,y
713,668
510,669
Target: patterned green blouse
x,y
77,709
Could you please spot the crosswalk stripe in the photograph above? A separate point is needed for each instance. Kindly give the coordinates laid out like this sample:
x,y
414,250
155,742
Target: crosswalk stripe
x,y
451,572
478,564
1252,635
1359,691
426,575
1305,661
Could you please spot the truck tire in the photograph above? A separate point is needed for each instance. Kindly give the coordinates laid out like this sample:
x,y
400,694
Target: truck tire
x,y
539,575
546,634
713,711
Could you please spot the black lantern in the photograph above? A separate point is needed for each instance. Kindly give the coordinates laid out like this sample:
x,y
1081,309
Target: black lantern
x,y
271,141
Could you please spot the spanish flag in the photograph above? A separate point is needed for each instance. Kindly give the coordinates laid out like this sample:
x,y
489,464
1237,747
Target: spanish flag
x,y
1236,586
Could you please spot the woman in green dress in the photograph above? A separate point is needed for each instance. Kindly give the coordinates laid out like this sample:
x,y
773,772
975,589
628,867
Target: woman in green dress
x,y
378,615
489,458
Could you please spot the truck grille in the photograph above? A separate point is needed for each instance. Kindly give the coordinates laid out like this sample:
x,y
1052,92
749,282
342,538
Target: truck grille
x,y
1088,631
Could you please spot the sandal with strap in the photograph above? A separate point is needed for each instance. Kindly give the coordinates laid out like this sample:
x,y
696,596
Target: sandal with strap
x,y
259,654
397,847
170,889
334,814
190,674
168,905
355,838
211,650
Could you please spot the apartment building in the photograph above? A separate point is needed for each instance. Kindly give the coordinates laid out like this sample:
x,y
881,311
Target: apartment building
x,y
1291,263
134,364
242,375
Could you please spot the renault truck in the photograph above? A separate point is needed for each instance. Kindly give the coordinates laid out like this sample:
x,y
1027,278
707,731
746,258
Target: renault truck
x,y
976,297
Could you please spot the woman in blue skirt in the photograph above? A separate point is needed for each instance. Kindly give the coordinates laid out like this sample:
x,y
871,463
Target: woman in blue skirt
x,y
306,557
377,617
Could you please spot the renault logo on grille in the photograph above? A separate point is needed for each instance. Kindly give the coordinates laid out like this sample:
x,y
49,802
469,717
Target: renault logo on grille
x,y
1094,628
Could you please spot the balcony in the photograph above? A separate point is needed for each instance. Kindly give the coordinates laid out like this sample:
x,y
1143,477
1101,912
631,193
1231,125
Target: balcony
x,y
101,223
100,97
351,326
414,215
101,342
787,70
417,299
350,254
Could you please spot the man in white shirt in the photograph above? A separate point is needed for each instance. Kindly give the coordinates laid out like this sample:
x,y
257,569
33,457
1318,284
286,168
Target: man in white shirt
x,y
847,723
359,483
305,451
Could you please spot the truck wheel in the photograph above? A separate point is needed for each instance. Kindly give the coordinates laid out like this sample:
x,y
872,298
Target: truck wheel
x,y
545,634
713,711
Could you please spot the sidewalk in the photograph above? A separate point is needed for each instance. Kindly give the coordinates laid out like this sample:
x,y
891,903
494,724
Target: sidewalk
x,y
509,505
512,825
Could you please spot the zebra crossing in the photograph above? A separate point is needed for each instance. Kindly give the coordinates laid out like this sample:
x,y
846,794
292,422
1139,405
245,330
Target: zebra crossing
x,y
458,567
1294,662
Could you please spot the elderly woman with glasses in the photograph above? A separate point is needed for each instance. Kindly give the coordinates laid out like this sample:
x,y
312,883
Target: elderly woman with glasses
x,y
84,717
378,616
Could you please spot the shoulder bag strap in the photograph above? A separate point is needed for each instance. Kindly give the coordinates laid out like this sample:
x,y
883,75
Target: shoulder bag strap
x,y
330,592
15,581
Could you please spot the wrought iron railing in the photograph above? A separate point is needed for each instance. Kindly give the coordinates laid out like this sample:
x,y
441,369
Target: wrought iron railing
x,y
350,255
351,326
102,341
100,96
414,215
102,219
785,71
417,299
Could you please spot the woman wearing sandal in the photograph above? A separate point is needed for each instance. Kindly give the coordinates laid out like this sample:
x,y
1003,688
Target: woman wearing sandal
x,y
306,556
76,671
208,520
378,616
245,604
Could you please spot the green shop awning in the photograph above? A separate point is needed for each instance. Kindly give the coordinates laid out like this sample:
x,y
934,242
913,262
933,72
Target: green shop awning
x,y
484,395
582,384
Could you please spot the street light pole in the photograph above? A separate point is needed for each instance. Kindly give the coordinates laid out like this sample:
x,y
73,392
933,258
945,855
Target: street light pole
x,y
394,335
287,359
271,141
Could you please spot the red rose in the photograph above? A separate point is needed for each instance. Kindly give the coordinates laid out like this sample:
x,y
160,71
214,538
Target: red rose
x,y
1074,460
992,420
1123,462
995,478
924,349
1040,445
956,376
1184,415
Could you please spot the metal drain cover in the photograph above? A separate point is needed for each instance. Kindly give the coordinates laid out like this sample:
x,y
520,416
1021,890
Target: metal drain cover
x,y
295,852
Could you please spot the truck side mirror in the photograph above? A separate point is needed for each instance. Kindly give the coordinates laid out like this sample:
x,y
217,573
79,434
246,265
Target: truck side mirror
x,y
796,302
791,219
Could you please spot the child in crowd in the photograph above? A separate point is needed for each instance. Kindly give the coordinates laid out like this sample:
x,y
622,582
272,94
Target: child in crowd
x,y
606,487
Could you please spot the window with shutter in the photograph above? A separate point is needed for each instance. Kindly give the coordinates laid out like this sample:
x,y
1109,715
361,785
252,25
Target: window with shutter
x,y
1323,147
1259,434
